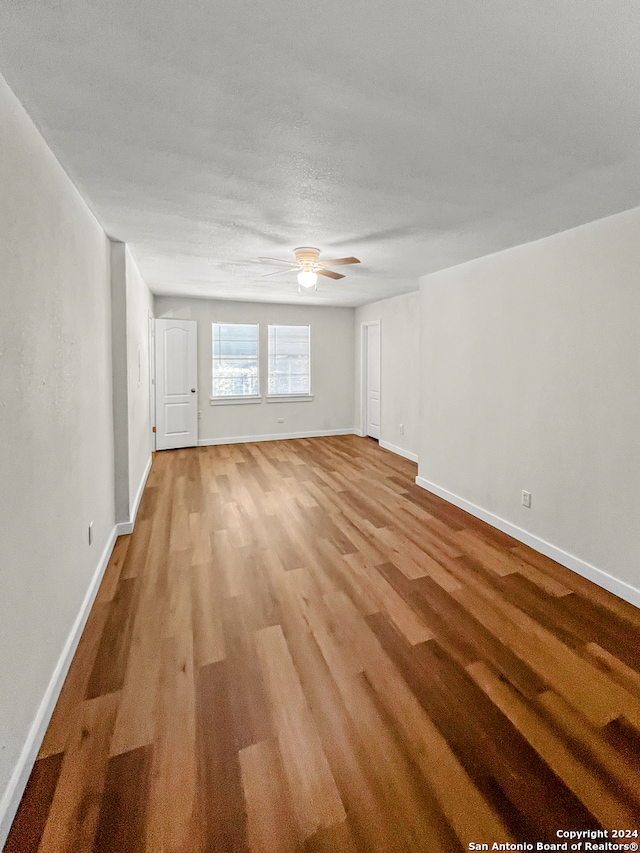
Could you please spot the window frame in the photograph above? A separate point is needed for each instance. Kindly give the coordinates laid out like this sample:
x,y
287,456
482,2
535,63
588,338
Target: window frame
x,y
228,399
294,396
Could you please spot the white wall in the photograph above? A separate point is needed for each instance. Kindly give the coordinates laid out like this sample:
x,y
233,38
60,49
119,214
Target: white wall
x,y
132,305
332,369
400,370
119,379
56,428
531,380
138,311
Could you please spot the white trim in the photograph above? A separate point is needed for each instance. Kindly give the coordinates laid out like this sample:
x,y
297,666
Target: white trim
x,y
21,772
125,527
232,401
289,398
618,587
400,451
245,439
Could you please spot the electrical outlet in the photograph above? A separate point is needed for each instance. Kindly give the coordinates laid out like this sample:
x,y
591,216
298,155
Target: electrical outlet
x,y
401,429
526,498
199,414
91,533
280,420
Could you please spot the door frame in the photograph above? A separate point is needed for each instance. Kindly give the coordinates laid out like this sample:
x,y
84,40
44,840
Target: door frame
x,y
156,321
364,366
152,379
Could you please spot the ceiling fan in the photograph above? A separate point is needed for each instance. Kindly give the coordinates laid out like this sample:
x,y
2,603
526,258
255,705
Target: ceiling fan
x,y
309,266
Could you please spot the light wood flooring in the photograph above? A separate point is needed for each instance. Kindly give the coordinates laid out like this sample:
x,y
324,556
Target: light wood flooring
x,y
298,649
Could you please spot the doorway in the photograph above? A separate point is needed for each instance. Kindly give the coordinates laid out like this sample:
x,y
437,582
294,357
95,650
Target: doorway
x,y
176,375
371,371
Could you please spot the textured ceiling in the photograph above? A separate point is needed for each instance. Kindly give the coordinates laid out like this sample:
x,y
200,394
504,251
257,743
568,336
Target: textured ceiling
x,y
414,135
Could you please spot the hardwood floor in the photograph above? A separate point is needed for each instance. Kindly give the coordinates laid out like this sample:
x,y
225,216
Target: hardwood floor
x,y
300,650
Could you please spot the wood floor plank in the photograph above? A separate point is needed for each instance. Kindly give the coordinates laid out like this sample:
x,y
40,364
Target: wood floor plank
x,y
28,826
136,718
379,810
463,633
224,817
604,805
199,540
316,801
388,600
441,769
111,577
591,591
299,649
271,827
582,684
136,555
250,720
338,837
69,704
513,779
179,539
589,741
354,582
226,563
406,817
107,674
415,816
208,636
477,547
75,809
622,674
123,809
173,816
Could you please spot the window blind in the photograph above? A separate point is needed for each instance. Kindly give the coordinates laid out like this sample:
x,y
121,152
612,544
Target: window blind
x,y
289,360
235,360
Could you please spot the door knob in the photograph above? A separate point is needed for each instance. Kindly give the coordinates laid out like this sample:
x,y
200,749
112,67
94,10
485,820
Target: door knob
x,y
193,390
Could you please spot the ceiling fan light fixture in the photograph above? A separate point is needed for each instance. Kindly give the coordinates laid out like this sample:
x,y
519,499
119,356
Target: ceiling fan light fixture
x,y
308,267
307,278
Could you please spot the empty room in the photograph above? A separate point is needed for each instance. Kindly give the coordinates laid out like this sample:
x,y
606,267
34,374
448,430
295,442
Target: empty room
x,y
319,426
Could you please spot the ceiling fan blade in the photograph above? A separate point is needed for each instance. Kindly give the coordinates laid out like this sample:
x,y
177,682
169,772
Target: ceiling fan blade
x,y
281,261
337,261
277,272
330,274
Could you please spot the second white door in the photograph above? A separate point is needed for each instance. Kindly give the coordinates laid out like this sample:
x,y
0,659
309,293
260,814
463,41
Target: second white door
x,y
372,380
176,384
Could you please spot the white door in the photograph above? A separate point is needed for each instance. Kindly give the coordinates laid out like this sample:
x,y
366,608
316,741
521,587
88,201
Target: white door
x,y
176,384
372,380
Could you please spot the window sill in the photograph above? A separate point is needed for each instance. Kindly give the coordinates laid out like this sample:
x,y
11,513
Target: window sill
x,y
289,398
232,401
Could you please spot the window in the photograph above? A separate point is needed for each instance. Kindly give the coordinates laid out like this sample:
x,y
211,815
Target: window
x,y
235,360
289,360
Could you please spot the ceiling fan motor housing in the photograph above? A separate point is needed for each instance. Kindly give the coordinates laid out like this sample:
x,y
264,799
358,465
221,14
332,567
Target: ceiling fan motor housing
x,y
307,257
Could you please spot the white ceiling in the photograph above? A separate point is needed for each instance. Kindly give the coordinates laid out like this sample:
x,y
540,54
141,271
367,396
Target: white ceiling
x,y
415,135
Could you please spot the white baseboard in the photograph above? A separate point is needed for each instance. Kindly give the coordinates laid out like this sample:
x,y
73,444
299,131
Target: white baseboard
x,y
618,587
245,439
399,450
20,776
124,527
